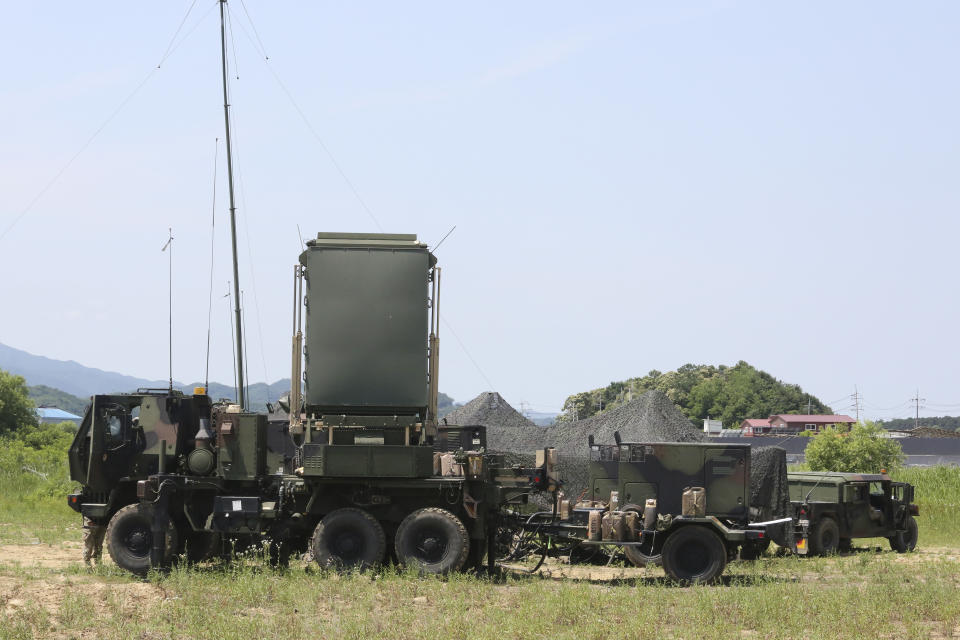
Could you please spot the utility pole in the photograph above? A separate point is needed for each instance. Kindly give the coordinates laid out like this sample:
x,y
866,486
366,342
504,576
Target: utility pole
x,y
857,400
917,400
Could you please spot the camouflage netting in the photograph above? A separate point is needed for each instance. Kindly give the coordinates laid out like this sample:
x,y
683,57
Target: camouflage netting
x,y
650,418
769,493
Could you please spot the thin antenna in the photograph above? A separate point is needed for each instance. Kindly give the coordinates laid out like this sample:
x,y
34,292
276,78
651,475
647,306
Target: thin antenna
x,y
169,245
246,360
238,358
213,224
300,235
230,307
437,246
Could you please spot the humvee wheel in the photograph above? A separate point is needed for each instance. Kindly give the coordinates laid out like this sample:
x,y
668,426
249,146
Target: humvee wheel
x,y
348,538
433,540
694,555
129,538
906,540
825,537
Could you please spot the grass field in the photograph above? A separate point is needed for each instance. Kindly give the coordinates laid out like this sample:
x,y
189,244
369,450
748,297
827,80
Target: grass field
x,y
45,592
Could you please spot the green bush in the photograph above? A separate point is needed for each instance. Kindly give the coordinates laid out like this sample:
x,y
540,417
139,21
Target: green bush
x,y
860,450
16,408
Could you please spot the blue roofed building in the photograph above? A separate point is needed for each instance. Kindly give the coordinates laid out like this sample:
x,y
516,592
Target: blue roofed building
x,y
52,415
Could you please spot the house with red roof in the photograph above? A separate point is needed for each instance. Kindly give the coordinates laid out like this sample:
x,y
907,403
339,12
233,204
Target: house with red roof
x,y
754,427
789,424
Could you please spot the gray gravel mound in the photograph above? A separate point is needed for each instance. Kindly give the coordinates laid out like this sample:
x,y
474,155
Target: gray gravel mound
x,y
507,429
650,418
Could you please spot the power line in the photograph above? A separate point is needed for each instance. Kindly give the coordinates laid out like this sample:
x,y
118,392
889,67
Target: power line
x,y
123,103
316,135
466,351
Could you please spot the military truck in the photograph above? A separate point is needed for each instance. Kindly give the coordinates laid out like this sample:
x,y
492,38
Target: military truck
x,y
683,504
360,472
831,509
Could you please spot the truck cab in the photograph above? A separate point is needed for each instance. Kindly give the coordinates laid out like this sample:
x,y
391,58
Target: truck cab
x,y
833,508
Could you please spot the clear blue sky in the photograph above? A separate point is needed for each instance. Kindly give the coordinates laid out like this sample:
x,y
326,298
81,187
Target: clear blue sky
x,y
635,185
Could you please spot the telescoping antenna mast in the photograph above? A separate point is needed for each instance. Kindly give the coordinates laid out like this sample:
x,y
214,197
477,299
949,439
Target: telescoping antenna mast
x,y
241,396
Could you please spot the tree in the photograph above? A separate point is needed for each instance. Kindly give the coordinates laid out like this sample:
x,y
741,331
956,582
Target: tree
x,y
16,408
860,450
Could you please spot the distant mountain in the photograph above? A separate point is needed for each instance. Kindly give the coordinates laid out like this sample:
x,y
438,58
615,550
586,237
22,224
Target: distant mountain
x,y
65,382
60,382
542,418
67,375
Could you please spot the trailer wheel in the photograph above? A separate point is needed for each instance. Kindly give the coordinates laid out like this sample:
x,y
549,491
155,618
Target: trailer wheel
x,y
694,555
643,555
129,538
905,541
432,539
825,537
348,538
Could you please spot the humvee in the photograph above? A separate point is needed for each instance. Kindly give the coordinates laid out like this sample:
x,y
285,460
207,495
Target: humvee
x,y
831,509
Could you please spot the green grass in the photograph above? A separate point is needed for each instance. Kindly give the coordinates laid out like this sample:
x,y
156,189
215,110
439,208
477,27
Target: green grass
x,y
866,595
937,494
862,595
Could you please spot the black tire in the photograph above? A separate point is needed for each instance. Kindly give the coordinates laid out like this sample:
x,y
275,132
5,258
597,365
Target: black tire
x,y
643,555
433,540
906,541
825,537
129,539
639,556
348,539
694,555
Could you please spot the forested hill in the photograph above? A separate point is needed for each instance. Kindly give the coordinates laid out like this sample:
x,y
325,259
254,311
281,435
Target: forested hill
x,y
950,423
44,396
720,392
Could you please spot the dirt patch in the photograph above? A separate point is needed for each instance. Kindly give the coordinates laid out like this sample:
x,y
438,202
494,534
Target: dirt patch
x,y
51,591
49,556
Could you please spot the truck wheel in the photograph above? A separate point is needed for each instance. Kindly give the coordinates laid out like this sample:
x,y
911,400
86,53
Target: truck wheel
x,y
434,540
694,555
348,538
825,537
129,538
905,541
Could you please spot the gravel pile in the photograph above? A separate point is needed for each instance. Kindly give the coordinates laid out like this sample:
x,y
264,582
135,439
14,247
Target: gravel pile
x,y
650,418
507,429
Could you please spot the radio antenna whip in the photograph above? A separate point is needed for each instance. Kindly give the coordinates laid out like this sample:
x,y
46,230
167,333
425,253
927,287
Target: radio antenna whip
x,y
213,224
241,396
169,245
